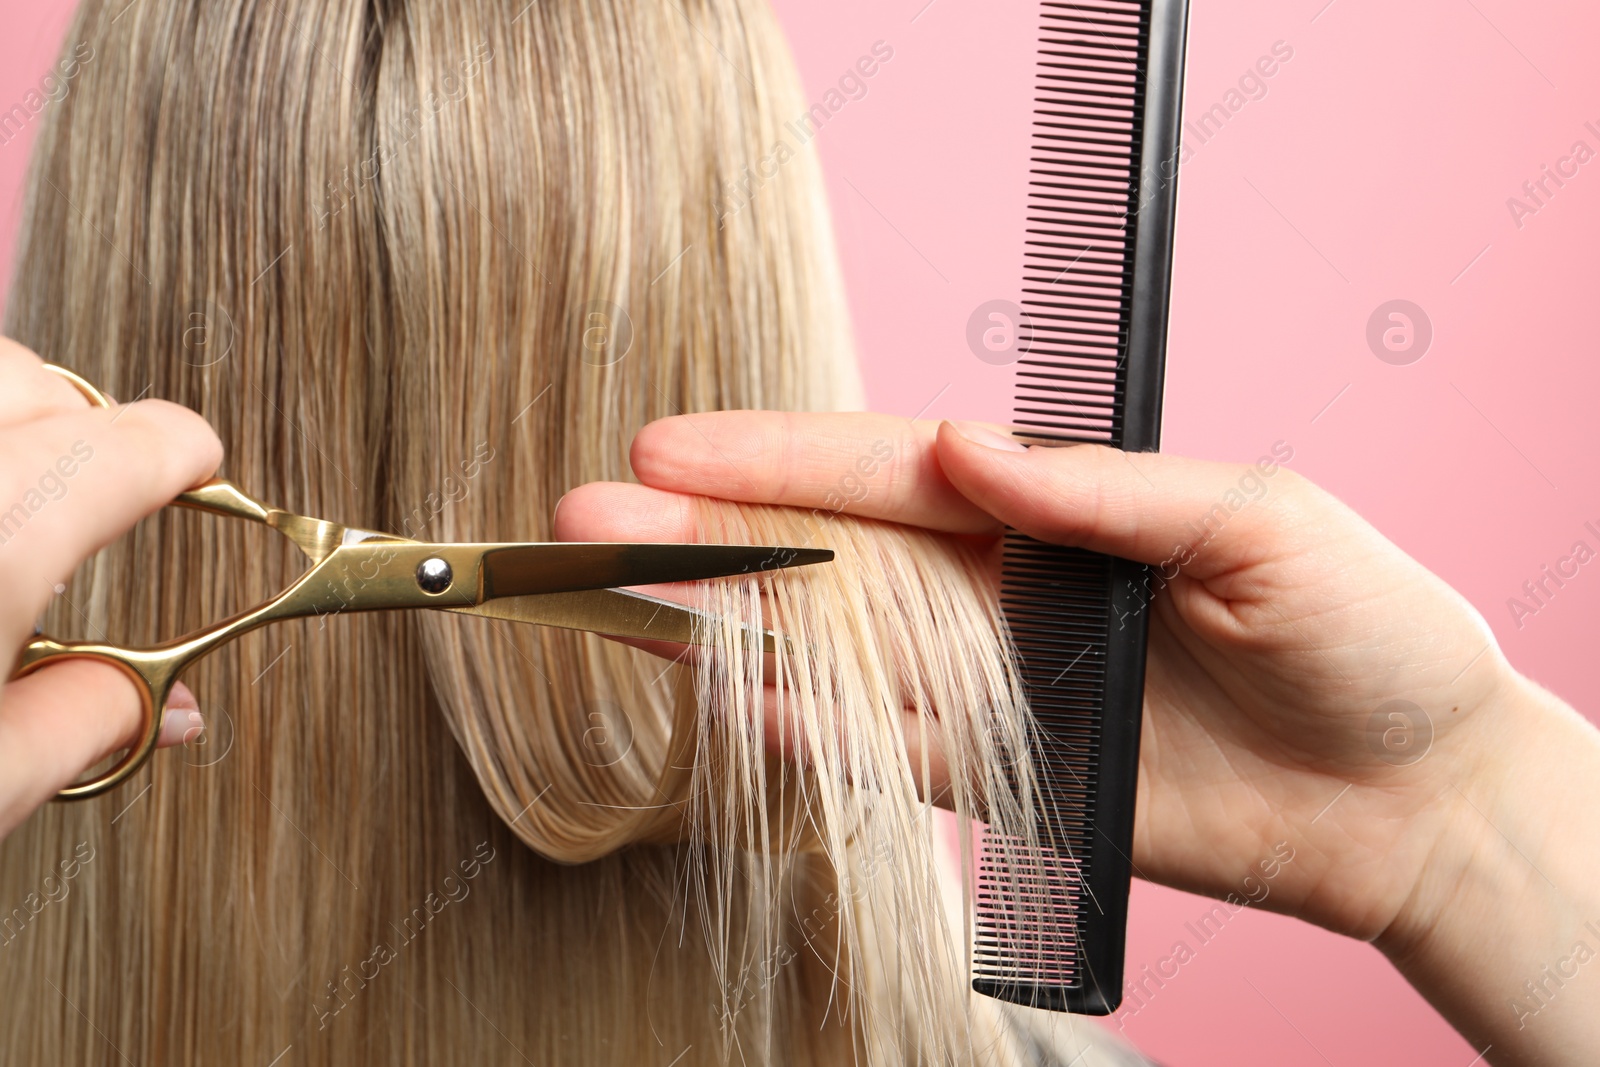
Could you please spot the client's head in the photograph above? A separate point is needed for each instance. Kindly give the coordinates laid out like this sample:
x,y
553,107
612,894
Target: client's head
x,y
426,267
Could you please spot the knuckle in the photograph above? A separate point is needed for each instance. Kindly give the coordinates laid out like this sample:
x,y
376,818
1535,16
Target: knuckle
x,y
899,475
1293,483
782,445
690,521
1300,499
1093,507
1074,507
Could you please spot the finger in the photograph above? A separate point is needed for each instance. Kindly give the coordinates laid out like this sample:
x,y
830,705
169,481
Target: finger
x,y
623,511
29,391
63,719
74,482
1206,518
182,722
877,466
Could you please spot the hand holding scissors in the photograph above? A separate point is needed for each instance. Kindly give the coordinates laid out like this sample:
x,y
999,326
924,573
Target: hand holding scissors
x,y
73,479
556,584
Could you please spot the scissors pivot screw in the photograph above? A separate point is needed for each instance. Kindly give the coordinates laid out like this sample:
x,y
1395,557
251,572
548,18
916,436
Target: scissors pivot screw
x,y
434,576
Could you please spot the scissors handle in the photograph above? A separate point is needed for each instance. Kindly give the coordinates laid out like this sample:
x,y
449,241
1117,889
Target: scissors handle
x,y
153,676
154,671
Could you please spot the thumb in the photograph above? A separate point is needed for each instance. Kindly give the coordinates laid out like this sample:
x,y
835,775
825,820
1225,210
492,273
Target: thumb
x,y
1207,517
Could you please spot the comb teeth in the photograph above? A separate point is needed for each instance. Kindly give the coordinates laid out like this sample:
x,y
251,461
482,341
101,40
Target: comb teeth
x,y
1082,213
1032,906
1050,924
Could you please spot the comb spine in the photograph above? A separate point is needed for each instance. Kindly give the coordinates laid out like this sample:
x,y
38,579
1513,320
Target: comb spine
x,y
1153,245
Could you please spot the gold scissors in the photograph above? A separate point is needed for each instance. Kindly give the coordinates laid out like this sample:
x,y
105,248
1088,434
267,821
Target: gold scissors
x,y
566,584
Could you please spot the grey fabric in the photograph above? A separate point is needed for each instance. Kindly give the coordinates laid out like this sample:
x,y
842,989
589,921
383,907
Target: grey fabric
x,y
1054,1039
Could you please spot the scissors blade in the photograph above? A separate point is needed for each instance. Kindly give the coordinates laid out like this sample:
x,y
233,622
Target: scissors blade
x,y
619,613
372,572
520,570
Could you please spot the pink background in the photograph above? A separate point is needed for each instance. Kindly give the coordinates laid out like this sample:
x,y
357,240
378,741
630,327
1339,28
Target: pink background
x,y
1377,167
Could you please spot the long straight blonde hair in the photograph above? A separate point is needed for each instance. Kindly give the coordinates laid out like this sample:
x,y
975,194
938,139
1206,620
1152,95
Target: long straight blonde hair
x,y
426,267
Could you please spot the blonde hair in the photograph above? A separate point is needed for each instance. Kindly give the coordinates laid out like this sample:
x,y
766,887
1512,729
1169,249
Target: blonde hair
x,y
425,268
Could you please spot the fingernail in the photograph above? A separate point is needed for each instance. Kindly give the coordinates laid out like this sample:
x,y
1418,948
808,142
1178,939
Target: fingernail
x,y
181,721
180,726
982,435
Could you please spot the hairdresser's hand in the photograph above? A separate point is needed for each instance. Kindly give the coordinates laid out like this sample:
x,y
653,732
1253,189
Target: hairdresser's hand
x,y
1272,644
72,479
1282,629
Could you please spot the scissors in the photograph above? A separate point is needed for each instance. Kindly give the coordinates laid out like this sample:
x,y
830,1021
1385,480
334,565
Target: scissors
x,y
565,584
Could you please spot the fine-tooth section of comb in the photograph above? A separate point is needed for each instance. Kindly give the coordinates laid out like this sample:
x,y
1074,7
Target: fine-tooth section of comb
x,y
1051,923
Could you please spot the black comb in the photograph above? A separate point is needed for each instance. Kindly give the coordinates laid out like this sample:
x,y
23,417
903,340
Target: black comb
x,y
1051,924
